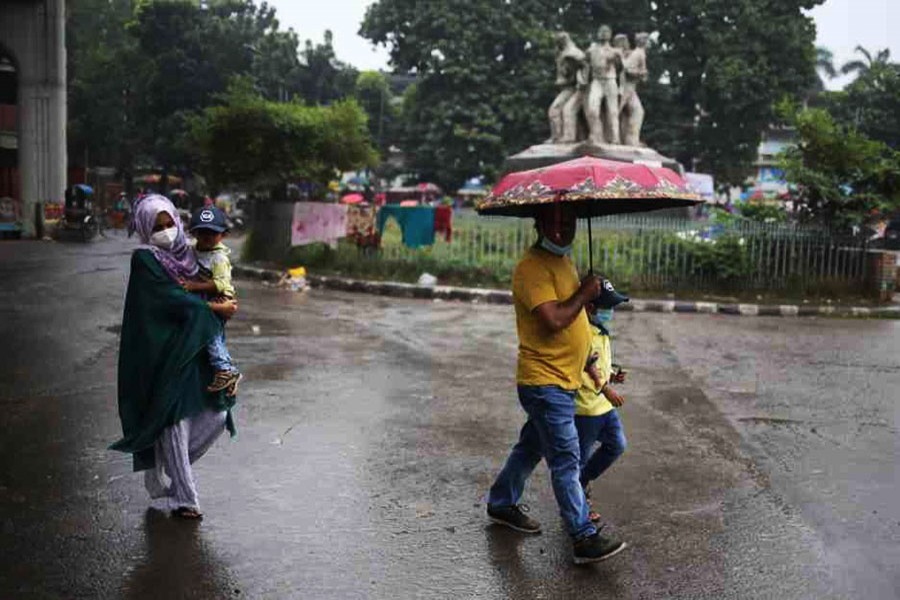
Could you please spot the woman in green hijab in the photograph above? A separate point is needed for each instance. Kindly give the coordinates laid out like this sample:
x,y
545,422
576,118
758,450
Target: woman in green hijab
x,y
168,419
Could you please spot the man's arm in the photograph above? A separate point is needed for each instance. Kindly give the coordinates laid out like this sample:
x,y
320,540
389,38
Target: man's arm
x,y
556,316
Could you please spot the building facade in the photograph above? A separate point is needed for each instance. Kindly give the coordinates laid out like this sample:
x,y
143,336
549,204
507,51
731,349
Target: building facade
x,y
32,108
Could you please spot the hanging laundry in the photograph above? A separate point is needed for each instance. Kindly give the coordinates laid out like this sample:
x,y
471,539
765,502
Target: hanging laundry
x,y
443,221
360,220
416,223
318,222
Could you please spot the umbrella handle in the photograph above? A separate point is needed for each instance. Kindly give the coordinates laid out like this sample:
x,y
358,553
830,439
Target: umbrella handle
x,y
590,249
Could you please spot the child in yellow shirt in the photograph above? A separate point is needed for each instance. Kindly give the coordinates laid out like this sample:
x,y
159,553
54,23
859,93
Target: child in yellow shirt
x,y
596,401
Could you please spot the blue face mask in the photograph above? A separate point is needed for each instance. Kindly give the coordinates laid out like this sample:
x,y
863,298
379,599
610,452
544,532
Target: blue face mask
x,y
602,316
554,249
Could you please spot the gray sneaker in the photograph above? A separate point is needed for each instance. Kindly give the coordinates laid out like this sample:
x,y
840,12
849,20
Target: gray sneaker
x,y
514,517
595,548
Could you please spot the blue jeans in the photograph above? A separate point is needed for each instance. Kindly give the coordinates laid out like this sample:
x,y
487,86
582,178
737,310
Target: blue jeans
x,y
219,357
605,429
550,433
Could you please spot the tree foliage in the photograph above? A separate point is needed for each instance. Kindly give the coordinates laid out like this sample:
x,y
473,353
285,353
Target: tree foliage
x,y
140,71
871,103
258,144
485,74
842,177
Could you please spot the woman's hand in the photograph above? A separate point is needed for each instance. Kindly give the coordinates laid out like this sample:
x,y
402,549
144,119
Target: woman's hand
x,y
224,308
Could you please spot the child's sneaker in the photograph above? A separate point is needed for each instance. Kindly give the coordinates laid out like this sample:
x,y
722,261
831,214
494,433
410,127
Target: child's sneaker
x,y
223,380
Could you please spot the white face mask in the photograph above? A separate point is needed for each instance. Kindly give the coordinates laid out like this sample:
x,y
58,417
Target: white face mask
x,y
164,239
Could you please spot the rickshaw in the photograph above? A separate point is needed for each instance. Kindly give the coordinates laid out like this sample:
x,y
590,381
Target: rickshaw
x,y
79,214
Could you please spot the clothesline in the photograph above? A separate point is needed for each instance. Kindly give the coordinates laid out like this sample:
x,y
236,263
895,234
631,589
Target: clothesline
x,y
324,222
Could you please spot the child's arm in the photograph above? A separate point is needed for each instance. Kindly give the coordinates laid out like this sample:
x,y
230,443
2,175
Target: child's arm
x,y
200,287
221,278
594,374
612,395
224,309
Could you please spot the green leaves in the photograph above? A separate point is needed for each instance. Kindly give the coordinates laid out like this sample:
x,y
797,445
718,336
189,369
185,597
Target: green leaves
x,y
258,144
843,177
717,67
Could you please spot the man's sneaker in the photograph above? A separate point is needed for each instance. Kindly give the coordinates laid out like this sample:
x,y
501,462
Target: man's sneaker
x,y
514,517
595,548
223,380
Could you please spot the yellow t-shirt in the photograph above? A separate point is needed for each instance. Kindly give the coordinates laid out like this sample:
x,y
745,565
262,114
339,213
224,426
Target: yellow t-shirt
x,y
588,402
548,358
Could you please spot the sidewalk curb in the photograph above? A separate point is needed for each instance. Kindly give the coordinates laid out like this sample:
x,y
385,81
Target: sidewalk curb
x,y
489,296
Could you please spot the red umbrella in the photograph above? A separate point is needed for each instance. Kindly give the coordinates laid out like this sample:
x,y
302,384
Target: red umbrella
x,y
594,186
353,199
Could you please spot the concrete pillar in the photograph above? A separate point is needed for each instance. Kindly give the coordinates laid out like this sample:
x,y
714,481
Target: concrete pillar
x,y
882,270
34,32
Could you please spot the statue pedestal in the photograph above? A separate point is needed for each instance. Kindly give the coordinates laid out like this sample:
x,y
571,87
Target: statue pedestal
x,y
542,155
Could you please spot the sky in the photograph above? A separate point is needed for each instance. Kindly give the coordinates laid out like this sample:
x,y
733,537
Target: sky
x,y
841,25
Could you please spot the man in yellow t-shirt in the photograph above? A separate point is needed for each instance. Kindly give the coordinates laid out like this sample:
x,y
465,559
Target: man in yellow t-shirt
x,y
596,417
554,342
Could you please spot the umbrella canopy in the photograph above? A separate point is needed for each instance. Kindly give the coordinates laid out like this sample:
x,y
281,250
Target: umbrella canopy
x,y
595,186
428,188
353,199
156,178
177,193
88,190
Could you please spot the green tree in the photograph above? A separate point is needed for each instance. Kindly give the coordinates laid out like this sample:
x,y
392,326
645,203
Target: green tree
x,y
260,145
868,61
322,78
101,83
373,92
871,103
480,81
842,178
139,71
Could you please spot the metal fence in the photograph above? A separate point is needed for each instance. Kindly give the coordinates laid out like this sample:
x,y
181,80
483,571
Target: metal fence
x,y
648,252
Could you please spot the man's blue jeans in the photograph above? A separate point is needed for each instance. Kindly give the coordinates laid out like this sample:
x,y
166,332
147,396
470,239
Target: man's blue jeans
x,y
605,429
550,433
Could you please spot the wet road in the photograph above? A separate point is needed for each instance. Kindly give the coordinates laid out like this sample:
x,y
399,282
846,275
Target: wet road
x,y
763,458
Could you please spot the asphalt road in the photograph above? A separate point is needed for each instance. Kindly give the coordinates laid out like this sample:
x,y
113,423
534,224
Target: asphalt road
x,y
763,458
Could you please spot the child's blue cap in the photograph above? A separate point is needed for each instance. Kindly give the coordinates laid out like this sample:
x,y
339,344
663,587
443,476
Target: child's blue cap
x,y
608,297
209,217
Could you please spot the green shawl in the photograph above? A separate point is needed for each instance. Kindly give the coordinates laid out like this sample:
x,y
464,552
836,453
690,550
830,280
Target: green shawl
x,y
163,365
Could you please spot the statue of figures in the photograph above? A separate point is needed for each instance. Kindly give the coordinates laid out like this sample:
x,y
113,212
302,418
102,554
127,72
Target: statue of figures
x,y
634,70
603,95
572,79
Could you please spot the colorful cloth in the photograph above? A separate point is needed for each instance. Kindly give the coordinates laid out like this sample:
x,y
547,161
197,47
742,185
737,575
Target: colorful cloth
x,y
443,221
416,223
179,261
544,358
360,221
318,222
216,265
163,366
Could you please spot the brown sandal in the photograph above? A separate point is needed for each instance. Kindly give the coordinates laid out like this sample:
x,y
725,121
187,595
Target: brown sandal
x,y
186,512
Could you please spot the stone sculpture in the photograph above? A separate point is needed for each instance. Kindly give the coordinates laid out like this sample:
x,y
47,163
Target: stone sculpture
x,y
598,107
602,106
572,81
634,70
